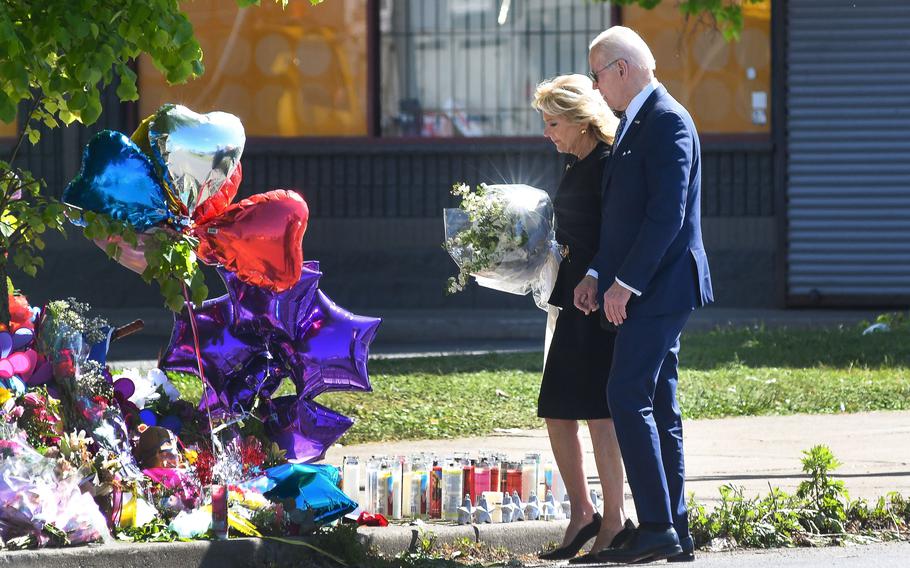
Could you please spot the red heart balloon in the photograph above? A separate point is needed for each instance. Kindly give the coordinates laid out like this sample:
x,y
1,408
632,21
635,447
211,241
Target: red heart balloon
x,y
217,203
258,238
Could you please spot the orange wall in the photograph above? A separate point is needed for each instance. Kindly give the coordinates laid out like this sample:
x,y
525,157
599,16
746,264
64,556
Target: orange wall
x,y
9,130
708,75
300,71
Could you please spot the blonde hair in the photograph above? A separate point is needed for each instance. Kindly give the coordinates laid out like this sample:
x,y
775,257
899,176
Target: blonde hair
x,y
574,98
624,43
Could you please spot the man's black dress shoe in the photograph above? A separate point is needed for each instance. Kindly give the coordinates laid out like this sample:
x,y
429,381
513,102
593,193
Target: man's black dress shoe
x,y
644,546
684,556
621,537
586,533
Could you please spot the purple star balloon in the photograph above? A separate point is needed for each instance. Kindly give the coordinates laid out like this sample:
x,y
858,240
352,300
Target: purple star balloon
x,y
320,345
266,313
224,354
330,350
260,379
303,428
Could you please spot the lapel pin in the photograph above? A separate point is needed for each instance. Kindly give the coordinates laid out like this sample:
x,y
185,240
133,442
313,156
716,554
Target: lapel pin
x,y
636,122
627,152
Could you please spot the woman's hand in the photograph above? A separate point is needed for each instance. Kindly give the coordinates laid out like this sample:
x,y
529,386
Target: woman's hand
x,y
586,294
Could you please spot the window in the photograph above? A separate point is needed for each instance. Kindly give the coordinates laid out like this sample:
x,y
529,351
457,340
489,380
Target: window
x,y
300,71
469,67
725,85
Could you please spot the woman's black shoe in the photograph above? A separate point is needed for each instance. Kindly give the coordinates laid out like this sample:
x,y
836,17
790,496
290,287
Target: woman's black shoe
x,y
586,533
621,537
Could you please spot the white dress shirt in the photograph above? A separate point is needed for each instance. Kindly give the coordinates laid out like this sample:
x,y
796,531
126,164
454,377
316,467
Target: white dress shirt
x,y
635,105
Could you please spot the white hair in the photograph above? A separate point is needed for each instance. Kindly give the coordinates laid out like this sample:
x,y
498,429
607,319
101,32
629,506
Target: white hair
x,y
624,43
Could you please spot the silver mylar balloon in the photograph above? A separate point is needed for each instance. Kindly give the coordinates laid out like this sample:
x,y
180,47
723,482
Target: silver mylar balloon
x,y
196,151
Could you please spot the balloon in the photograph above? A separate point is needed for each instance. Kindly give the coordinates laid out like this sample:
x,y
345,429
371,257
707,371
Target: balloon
x,y
43,373
20,363
196,152
330,350
223,353
22,337
118,180
303,428
261,378
312,487
268,313
140,137
17,365
172,423
132,257
148,417
124,387
216,204
258,238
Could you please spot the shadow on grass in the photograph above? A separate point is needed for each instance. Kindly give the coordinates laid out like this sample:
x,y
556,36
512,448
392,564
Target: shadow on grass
x,y
749,347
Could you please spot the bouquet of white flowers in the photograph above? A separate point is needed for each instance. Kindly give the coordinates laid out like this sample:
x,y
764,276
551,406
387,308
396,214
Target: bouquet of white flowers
x,y
503,236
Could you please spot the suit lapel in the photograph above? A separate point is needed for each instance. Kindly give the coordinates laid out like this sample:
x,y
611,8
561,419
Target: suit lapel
x,y
632,131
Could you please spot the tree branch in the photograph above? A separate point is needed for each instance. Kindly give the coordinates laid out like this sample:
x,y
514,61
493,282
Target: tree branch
x,y
28,120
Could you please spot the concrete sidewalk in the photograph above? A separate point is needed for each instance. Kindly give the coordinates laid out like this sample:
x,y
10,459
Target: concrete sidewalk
x,y
752,452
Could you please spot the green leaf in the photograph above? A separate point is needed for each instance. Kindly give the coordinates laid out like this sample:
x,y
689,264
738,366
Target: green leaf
x,y
78,101
7,108
92,109
34,136
200,293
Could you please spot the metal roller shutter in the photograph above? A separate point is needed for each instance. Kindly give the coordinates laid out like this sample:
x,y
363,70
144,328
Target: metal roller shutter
x,y
848,124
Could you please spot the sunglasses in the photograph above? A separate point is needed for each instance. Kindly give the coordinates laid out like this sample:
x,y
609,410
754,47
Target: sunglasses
x,y
593,74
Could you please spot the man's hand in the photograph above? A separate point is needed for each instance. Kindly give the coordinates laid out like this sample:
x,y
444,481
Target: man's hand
x,y
615,300
586,294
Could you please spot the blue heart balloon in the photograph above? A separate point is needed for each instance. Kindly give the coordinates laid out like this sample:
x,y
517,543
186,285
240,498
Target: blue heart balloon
x,y
119,181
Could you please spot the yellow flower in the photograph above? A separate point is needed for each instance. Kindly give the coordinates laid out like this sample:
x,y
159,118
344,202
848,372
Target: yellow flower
x,y
191,456
5,395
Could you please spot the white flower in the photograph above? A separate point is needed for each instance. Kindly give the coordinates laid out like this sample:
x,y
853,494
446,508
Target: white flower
x,y
145,389
159,379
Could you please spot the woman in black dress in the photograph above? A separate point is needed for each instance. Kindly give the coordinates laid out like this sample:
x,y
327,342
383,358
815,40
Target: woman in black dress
x,y
579,355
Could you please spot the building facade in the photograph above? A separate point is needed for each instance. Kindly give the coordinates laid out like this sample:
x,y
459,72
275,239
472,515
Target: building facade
x,y
372,109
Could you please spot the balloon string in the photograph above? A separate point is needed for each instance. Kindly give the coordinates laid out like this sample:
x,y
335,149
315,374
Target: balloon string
x,y
205,383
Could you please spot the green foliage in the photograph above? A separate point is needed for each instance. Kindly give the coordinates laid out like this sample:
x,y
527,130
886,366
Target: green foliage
x,y
56,56
169,255
894,320
172,264
820,512
759,522
725,15
731,372
827,498
68,50
156,530
342,542
25,215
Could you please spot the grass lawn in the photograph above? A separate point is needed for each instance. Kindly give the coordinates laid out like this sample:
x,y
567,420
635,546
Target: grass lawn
x,y
741,372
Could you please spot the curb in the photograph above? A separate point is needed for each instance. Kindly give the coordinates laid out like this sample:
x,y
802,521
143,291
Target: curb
x,y
524,537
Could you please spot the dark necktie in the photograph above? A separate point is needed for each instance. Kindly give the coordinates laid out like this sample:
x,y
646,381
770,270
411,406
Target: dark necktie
x,y
619,127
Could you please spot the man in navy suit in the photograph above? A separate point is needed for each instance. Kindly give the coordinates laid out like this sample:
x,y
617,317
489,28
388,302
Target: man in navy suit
x,y
651,271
